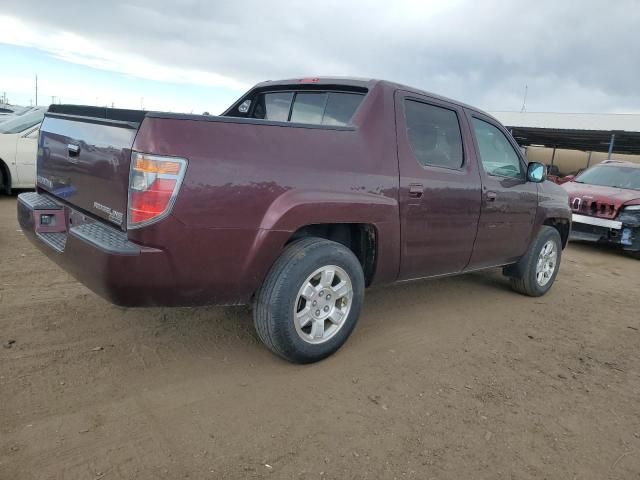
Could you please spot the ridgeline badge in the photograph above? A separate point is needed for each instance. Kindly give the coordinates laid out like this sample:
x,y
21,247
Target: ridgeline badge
x,y
114,215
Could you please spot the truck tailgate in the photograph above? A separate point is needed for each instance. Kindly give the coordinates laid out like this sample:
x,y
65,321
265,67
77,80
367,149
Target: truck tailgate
x,y
84,155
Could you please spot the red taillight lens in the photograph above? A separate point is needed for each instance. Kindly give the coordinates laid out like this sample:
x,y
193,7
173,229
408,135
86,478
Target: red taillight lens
x,y
153,186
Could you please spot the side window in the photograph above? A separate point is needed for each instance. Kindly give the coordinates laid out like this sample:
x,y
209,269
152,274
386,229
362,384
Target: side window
x,y
434,135
496,153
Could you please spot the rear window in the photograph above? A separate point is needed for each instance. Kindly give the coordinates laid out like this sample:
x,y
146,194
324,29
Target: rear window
x,y
274,106
308,108
319,108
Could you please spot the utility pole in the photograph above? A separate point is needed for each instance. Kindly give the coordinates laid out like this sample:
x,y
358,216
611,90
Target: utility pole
x,y
524,100
611,142
36,90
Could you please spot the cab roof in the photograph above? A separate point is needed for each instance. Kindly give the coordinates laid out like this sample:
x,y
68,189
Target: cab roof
x,y
361,83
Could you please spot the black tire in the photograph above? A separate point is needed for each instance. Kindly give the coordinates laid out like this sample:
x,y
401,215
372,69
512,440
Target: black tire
x,y
523,274
273,311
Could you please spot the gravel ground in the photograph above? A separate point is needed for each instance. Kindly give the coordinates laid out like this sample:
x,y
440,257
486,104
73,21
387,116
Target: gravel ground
x,y
456,378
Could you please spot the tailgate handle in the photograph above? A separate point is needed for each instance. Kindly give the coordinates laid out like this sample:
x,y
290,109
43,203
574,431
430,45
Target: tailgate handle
x,y
73,150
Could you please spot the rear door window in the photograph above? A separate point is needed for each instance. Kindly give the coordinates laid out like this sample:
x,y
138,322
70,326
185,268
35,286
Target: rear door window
x,y
434,135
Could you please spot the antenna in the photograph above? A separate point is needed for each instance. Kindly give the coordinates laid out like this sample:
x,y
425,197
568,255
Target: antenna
x,y
524,100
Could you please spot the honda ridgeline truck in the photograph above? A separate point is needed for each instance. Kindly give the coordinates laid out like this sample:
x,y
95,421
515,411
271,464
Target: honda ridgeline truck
x,y
299,196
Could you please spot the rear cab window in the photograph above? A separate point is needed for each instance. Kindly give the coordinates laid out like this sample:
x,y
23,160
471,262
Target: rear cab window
x,y
317,107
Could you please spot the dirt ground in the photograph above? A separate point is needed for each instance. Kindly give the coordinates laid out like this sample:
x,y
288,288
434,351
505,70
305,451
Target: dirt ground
x,y
457,378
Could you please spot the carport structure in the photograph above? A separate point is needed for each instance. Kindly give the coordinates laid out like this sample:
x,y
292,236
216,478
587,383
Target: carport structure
x,y
588,132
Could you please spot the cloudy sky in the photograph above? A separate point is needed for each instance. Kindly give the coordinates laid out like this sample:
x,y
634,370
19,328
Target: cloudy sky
x,y
196,55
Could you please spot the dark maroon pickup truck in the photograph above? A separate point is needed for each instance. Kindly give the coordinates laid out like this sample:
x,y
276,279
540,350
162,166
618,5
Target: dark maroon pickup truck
x,y
298,197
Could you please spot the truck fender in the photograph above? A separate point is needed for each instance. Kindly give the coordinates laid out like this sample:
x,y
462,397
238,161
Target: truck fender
x,y
296,208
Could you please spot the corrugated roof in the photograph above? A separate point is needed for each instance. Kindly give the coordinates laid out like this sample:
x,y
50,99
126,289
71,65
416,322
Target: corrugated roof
x,y
629,122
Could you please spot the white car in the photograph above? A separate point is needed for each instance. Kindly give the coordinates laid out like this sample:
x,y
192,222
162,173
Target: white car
x,y
18,149
8,111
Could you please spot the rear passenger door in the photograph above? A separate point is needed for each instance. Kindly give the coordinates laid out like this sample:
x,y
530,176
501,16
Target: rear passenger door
x,y
439,186
509,202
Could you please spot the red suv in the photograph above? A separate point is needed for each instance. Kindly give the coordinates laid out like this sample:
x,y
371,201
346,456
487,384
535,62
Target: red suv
x,y
605,201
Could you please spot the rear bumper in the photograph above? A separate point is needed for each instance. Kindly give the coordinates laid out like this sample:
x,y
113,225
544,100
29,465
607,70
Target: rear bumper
x,y
99,256
624,231
187,266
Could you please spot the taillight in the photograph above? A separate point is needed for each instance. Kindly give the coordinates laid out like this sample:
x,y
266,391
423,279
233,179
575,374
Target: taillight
x,y
154,182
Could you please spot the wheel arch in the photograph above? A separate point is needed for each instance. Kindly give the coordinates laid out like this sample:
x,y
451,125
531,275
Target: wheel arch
x,y
562,225
351,218
360,238
336,215
6,176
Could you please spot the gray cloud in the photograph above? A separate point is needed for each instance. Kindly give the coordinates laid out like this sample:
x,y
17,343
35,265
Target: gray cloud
x,y
573,55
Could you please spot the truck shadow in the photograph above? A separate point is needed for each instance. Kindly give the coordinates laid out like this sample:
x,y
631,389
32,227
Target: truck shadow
x,y
229,332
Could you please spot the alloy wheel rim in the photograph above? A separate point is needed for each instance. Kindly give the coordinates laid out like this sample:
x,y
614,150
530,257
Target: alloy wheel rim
x,y
323,304
547,263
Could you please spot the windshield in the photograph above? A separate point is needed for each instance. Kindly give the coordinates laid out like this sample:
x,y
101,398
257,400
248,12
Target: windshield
x,y
611,176
20,123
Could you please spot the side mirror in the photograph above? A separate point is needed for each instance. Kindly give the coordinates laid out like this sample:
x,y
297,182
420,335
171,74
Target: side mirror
x,y
535,172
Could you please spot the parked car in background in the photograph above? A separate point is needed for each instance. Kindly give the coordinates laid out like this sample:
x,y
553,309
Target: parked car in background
x,y
605,200
7,111
302,194
18,149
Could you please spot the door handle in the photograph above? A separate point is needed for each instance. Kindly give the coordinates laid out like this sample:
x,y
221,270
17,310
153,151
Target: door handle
x,y
491,196
416,190
73,150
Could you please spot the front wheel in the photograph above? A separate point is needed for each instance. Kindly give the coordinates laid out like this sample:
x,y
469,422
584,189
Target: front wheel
x,y
537,270
310,301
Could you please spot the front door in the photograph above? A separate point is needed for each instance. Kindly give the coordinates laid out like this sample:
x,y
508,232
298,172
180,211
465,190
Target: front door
x,y
509,201
439,186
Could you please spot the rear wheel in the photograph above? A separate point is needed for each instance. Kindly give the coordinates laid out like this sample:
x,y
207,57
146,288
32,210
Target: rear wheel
x,y
310,301
537,270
